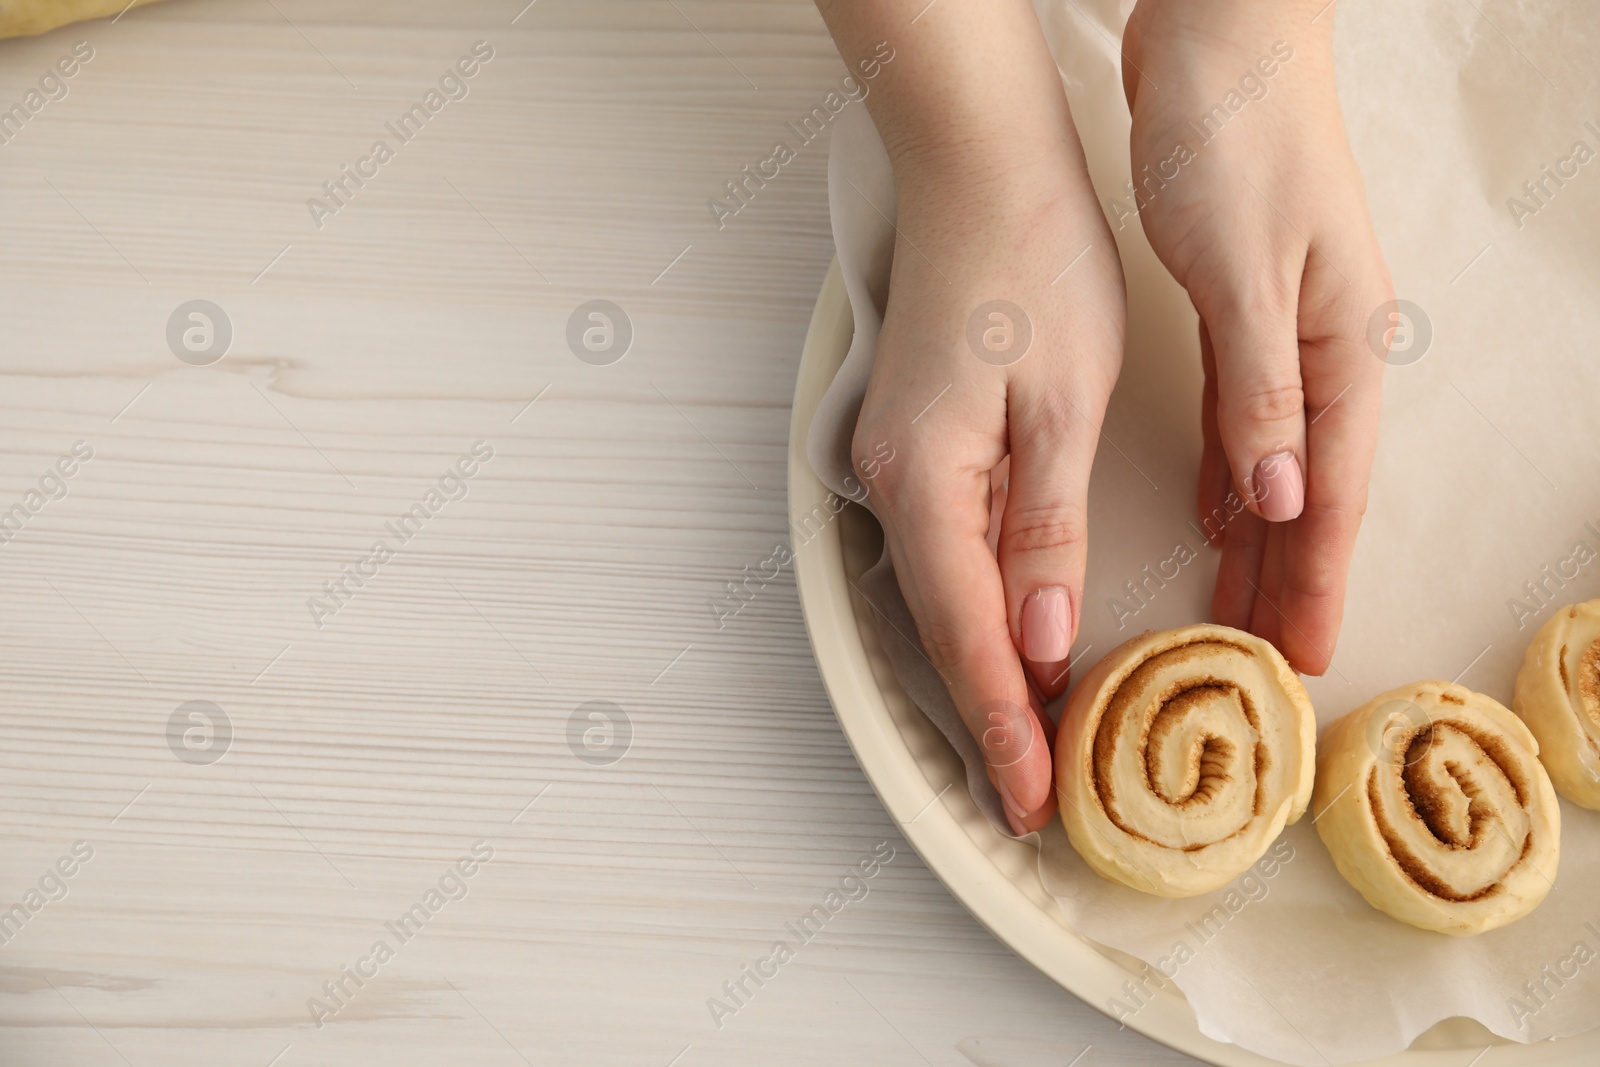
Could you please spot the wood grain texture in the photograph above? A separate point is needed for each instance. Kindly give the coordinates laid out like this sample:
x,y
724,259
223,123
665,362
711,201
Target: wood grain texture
x,y
369,754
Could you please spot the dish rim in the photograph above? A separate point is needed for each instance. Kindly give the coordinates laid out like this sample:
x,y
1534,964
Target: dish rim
x,y
945,826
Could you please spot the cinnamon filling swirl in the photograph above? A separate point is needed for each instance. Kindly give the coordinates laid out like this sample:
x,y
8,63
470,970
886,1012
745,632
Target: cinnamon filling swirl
x,y
1450,824
1182,756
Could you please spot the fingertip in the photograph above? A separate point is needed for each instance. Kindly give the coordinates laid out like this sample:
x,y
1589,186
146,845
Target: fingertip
x,y
1310,668
1016,814
1022,818
1050,679
1309,644
1303,656
1027,785
1040,817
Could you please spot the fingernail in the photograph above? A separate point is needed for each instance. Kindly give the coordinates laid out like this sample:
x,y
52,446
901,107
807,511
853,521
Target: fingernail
x,y
1280,487
1017,814
1047,625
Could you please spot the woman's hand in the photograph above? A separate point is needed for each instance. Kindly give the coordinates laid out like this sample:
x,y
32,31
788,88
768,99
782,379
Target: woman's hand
x,y
1249,195
977,611
1002,337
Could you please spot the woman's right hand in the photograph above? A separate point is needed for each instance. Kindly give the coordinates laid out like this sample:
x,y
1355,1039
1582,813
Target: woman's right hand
x,y
1252,199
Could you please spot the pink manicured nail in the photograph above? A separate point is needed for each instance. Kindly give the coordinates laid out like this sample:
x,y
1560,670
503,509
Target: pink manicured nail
x,y
1047,625
1280,488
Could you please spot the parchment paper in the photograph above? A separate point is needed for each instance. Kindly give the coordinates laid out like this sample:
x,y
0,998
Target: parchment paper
x,y
1486,495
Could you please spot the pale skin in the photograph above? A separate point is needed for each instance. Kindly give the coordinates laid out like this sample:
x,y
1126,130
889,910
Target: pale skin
x,y
1266,227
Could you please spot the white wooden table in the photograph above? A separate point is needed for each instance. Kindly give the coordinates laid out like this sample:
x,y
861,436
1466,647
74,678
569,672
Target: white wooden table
x,y
236,869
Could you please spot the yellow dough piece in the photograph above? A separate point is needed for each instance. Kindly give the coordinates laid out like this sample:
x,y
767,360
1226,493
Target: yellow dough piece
x,y
24,18
1181,756
1433,802
1558,696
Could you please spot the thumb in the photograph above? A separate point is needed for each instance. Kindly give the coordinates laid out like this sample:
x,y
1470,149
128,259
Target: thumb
x,y
1260,400
1043,543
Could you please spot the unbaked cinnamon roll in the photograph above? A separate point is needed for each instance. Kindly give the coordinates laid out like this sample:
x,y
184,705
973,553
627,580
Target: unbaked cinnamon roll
x,y
1558,696
1434,805
1181,756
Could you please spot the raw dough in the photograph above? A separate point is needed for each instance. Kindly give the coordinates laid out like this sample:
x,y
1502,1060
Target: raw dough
x,y
24,18
1558,696
1182,756
1433,802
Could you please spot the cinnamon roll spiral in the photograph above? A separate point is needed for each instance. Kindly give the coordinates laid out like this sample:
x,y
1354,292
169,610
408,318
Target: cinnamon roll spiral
x,y
1558,696
1433,803
1181,756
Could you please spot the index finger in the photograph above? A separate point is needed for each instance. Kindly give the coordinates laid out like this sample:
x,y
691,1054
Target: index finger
x,y
936,524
